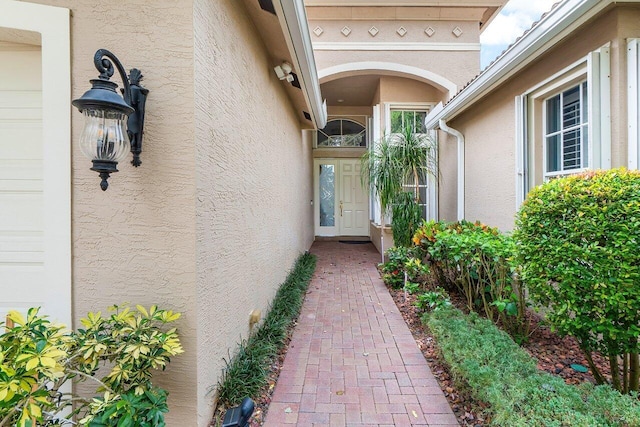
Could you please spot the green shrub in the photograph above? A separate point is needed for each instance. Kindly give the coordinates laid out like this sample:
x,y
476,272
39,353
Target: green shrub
x,y
32,353
578,242
477,260
393,270
131,344
247,372
433,300
426,238
38,357
503,375
413,287
406,218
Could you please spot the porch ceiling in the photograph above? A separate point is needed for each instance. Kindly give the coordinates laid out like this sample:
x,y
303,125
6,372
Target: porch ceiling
x,y
355,91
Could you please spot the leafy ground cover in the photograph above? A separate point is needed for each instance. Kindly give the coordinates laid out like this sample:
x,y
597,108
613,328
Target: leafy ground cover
x,y
554,355
255,367
504,375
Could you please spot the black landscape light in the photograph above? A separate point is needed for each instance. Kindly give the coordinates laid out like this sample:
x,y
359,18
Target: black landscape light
x,y
105,139
238,416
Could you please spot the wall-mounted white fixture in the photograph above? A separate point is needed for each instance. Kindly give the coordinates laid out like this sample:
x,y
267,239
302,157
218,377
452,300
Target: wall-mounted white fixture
x,y
283,71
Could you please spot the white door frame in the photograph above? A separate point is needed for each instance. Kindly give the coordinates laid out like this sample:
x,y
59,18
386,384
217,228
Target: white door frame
x,y
334,230
53,25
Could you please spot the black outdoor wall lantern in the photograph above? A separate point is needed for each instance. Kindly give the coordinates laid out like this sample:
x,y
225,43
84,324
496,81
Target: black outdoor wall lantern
x,y
105,139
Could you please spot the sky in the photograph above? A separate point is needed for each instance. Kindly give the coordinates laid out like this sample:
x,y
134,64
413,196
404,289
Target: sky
x,y
516,17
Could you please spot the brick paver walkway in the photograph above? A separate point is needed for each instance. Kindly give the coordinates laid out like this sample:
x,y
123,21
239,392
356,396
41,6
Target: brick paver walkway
x,y
352,360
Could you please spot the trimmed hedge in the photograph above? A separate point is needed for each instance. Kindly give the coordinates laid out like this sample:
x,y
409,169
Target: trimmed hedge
x,y
578,241
500,373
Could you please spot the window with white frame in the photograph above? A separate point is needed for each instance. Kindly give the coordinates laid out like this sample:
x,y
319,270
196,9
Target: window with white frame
x,y
342,133
566,133
412,116
401,119
563,124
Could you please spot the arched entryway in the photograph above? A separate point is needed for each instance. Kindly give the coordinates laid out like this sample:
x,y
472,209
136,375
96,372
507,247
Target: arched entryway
x,y
365,101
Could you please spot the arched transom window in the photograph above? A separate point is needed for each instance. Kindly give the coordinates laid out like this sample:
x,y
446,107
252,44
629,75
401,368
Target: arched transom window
x,y
342,133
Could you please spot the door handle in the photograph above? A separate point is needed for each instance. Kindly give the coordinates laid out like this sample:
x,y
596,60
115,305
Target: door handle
x,y
340,207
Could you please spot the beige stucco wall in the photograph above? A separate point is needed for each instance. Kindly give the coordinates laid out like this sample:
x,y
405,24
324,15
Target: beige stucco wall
x,y
135,242
489,125
456,66
346,111
387,31
399,89
489,163
218,212
380,241
253,184
628,24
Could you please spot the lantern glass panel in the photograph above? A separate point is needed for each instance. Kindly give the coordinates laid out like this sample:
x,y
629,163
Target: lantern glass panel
x,y
104,136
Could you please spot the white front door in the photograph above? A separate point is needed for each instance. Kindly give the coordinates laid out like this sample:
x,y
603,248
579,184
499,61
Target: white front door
x,y
341,204
354,202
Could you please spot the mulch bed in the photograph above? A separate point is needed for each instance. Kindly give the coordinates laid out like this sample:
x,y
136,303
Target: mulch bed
x,y
554,354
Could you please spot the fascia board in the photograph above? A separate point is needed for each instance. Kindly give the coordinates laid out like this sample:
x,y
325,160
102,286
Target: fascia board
x,y
560,21
293,21
493,16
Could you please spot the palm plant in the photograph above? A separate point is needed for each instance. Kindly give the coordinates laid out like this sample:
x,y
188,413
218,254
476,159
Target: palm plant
x,y
407,217
398,160
415,156
379,173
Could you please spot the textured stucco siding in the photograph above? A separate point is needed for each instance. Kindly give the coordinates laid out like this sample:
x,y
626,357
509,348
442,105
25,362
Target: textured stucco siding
x,y
135,242
489,167
456,66
489,125
447,179
388,31
399,90
254,175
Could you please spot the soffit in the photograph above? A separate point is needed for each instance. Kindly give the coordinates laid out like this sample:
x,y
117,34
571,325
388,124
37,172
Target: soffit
x,y
268,27
356,91
483,11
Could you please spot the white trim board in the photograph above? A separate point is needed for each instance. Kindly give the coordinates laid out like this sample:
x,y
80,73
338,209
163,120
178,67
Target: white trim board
x,y
53,23
633,102
295,28
384,46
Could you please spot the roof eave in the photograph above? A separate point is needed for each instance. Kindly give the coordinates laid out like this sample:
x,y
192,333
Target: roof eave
x,y
560,21
295,28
